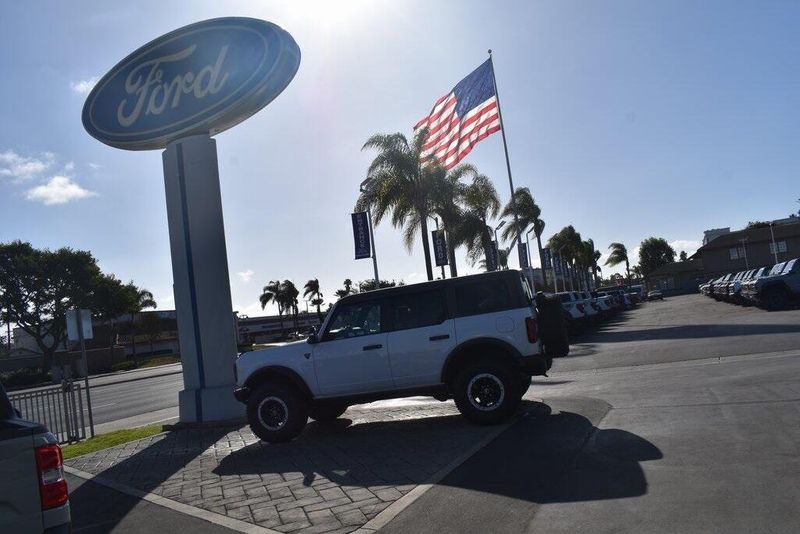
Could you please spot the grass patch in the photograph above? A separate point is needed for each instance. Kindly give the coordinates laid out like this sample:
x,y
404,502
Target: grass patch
x,y
110,439
160,360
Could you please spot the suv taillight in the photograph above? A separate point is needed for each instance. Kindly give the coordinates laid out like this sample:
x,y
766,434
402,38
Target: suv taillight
x,y
52,484
530,327
581,307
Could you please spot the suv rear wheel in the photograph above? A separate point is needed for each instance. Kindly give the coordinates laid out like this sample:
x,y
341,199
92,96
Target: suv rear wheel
x,y
277,412
326,413
486,393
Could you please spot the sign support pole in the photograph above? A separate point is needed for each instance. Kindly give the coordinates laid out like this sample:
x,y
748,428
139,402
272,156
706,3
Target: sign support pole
x,y
202,290
85,360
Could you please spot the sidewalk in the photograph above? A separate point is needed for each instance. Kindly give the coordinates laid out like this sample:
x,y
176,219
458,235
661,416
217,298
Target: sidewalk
x,y
357,472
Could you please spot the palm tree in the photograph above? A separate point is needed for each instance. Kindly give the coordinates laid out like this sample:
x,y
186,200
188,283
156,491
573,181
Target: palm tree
x,y
289,294
480,204
273,292
446,195
619,254
348,288
528,213
502,259
311,289
400,185
568,241
143,300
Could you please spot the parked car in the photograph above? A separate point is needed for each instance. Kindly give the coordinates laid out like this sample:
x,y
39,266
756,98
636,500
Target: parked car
x,y
746,291
33,490
606,302
589,308
477,339
655,294
573,308
777,291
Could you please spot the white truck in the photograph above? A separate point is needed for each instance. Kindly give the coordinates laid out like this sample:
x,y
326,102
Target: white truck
x,y
477,339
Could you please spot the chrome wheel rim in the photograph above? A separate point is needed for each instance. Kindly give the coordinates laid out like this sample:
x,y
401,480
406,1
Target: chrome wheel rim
x,y
485,392
272,413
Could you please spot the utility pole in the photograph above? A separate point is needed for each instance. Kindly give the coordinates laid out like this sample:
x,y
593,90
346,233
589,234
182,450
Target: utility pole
x,y
497,243
774,246
743,241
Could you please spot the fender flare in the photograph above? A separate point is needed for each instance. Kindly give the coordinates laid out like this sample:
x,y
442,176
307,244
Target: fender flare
x,y
278,371
461,348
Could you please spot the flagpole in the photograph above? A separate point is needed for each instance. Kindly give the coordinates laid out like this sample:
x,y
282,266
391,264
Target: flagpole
x,y
508,162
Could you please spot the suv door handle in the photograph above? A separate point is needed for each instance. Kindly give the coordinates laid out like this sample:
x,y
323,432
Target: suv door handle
x,y
372,347
440,337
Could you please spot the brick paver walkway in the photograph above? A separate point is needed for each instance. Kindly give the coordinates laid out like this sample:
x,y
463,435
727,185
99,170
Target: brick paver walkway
x,y
334,478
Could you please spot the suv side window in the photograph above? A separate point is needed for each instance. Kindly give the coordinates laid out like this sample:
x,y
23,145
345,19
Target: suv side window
x,y
485,296
415,310
355,320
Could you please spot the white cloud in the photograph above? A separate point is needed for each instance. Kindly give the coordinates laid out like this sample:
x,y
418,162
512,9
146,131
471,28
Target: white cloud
x,y
82,87
24,168
94,166
70,166
58,190
246,276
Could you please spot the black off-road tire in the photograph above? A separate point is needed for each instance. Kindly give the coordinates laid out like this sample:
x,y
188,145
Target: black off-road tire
x,y
524,386
486,393
775,298
277,412
326,413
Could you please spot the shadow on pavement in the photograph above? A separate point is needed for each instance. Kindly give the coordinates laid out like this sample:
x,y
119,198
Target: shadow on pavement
x,y
692,332
543,457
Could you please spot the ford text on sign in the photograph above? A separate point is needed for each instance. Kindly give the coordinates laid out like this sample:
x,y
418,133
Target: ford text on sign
x,y
202,78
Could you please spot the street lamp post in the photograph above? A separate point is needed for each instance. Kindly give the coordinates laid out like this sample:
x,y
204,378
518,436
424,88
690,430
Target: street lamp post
x,y
528,246
774,246
555,279
364,189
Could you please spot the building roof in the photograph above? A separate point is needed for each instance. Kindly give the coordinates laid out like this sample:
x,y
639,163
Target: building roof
x,y
677,267
753,235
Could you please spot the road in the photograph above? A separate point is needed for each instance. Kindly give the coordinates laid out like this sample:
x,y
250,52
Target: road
x,y
685,417
682,328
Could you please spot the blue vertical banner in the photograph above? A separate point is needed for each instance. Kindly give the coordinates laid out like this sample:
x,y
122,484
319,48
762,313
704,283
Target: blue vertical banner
x,y
361,234
439,247
547,258
523,255
557,265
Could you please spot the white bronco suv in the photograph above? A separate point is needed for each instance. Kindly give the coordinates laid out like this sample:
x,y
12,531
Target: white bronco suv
x,y
477,339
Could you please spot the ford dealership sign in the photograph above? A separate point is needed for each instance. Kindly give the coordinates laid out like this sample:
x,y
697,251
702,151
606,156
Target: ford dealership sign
x,y
202,78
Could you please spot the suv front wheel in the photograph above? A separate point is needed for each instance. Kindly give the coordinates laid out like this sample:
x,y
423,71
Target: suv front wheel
x,y
486,393
277,412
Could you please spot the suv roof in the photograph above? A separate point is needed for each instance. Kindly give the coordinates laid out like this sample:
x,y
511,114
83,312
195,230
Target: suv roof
x,y
429,285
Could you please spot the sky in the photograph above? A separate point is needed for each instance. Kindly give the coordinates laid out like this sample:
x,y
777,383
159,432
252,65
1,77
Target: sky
x,y
626,119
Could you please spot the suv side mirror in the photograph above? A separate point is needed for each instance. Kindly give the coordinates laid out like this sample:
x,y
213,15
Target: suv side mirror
x,y
312,337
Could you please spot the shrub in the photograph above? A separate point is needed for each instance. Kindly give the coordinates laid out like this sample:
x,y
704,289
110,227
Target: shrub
x,y
27,376
124,366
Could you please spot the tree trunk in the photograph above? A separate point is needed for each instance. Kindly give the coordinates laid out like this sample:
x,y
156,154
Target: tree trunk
x,y
133,335
451,256
541,259
488,250
426,248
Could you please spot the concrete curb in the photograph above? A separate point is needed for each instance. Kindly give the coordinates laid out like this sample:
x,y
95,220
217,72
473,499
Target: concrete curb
x,y
200,513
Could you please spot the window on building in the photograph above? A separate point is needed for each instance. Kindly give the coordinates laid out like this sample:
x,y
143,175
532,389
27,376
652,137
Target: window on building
x,y
736,252
779,245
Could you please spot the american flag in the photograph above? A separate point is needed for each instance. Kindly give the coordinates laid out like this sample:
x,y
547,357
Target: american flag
x,y
461,118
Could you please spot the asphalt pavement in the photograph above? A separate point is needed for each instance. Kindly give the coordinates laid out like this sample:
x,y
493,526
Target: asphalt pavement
x,y
679,416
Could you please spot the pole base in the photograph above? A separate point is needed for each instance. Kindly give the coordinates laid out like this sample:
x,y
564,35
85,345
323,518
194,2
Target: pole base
x,y
209,404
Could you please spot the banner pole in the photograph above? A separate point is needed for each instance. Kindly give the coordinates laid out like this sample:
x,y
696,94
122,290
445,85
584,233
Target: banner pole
x,y
374,252
508,162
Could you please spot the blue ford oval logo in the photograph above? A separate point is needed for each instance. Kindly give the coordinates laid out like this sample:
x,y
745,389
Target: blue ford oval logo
x,y
202,78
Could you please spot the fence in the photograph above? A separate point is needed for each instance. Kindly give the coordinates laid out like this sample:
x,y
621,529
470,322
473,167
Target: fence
x,y
59,408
